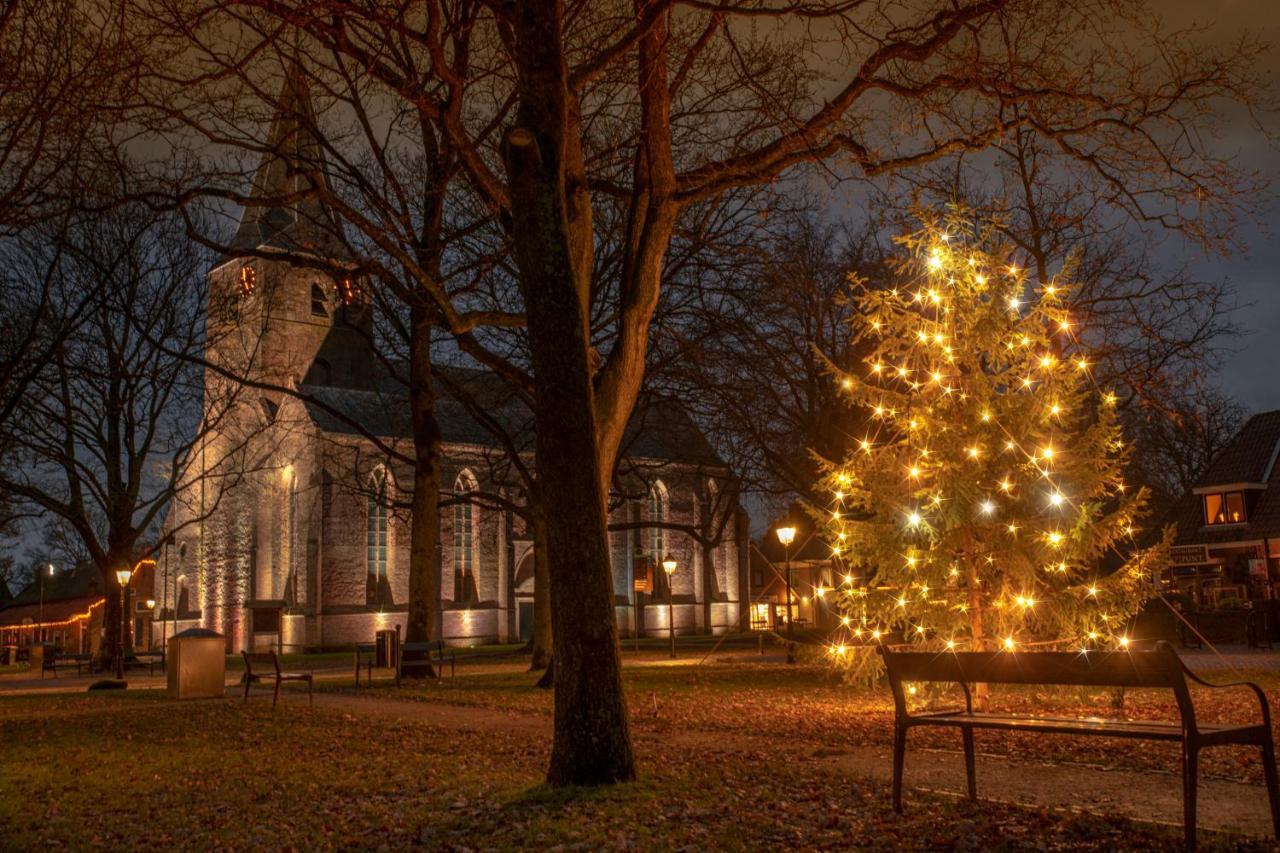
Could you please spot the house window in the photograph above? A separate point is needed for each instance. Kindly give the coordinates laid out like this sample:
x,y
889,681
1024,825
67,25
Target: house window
x,y
1225,508
377,590
319,301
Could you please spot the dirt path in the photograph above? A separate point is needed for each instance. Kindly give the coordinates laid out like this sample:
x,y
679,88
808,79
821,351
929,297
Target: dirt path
x,y
1155,797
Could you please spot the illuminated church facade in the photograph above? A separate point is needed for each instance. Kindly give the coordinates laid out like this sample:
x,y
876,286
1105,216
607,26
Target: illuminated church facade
x,y
303,542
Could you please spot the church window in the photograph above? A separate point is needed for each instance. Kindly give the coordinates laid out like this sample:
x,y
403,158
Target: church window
x,y
657,512
319,301
376,539
464,540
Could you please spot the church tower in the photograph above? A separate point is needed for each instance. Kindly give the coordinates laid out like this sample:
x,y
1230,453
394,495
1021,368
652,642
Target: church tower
x,y
286,307
289,287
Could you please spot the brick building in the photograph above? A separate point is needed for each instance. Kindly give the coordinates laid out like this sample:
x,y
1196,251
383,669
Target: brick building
x,y
302,541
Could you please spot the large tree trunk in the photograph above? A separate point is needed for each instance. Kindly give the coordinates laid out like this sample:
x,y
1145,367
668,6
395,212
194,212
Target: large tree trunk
x,y
424,532
113,640
592,739
542,635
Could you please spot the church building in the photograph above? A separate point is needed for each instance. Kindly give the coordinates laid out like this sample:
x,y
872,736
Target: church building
x,y
292,529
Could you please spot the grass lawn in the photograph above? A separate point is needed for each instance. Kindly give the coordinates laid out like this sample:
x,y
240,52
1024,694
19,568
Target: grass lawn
x,y
139,771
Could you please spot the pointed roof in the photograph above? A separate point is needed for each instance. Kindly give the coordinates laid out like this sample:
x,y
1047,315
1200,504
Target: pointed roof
x,y
285,211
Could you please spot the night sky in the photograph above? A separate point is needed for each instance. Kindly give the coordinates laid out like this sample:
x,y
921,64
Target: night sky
x,y
1253,374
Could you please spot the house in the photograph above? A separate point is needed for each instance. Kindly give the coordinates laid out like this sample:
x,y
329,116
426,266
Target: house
x,y
292,529
64,607
815,576
1228,539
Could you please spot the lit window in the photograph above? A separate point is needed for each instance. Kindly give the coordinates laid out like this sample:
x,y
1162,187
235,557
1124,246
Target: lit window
x,y
1225,508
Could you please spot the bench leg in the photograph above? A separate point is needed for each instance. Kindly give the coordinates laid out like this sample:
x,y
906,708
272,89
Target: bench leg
x,y
1273,783
899,759
970,770
276,697
1190,774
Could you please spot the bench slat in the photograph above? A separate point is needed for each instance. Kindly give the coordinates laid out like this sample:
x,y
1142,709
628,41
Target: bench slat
x,y
1095,669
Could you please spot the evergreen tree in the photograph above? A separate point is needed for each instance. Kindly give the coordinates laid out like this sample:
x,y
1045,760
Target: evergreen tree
x,y
985,506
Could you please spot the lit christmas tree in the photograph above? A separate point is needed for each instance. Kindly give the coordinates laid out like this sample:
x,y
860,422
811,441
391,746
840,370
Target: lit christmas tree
x,y
987,500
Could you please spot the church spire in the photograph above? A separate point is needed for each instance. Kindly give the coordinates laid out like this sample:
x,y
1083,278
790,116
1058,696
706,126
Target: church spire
x,y
285,210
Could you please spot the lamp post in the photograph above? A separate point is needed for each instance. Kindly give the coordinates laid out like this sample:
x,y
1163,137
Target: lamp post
x,y
122,575
669,566
787,535
42,576
151,611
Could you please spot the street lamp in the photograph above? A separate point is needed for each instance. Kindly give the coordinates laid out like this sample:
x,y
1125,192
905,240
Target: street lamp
x,y
669,566
123,576
42,577
787,535
151,614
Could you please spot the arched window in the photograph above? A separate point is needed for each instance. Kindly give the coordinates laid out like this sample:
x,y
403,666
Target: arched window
x,y
464,540
319,301
377,589
657,516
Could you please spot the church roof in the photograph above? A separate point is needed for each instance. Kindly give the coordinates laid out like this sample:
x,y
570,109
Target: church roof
x,y
659,429
285,211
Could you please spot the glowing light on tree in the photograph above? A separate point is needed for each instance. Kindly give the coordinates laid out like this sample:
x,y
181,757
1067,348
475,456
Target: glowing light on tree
x,y
986,506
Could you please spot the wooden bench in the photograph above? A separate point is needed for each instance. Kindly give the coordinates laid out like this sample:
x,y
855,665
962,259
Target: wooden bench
x,y
366,656
422,658
271,660
1159,669
62,661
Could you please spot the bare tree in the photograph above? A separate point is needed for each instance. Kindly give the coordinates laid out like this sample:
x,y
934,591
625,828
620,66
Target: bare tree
x,y
658,105
103,436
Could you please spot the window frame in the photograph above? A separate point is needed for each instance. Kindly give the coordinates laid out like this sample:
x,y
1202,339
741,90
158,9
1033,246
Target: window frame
x,y
1224,501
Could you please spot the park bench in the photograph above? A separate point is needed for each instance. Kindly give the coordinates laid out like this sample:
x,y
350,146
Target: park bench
x,y
1160,668
269,664
417,656
409,656
148,659
64,661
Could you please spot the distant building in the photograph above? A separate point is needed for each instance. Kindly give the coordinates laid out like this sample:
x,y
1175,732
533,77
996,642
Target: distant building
x,y
1228,541
311,548
814,576
65,609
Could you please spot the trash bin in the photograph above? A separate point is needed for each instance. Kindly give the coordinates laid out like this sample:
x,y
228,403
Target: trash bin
x,y
197,664
38,655
385,649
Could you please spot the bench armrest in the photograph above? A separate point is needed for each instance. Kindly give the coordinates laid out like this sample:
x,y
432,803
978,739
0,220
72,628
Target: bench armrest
x,y
1258,691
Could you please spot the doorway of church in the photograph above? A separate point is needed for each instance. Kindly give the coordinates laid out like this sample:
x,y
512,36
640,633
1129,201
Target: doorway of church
x,y
525,619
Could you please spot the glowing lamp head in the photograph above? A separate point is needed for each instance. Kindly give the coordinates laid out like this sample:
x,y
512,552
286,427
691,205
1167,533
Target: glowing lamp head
x,y
914,519
1008,644
786,535
988,507
123,576
151,604
669,564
